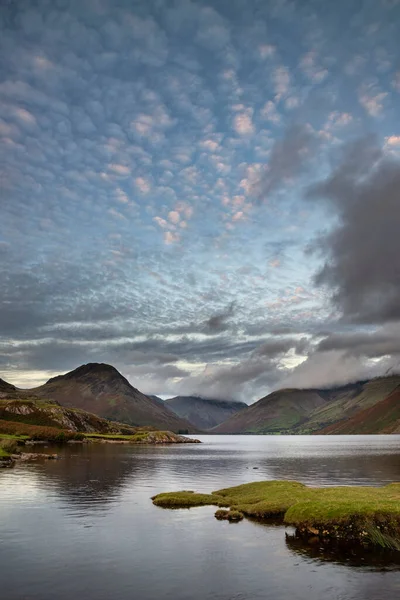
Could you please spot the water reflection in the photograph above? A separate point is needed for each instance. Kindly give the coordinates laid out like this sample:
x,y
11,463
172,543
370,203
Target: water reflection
x,y
92,478
85,525
377,560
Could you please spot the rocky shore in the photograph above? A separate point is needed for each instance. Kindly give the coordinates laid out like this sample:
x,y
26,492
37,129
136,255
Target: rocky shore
x,y
14,453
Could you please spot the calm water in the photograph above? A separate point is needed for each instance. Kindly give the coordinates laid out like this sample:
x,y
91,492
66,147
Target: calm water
x,y
85,527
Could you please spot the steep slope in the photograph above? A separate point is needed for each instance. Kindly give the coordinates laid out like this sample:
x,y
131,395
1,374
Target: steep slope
x,y
350,400
159,401
280,411
6,388
205,413
382,417
101,389
336,410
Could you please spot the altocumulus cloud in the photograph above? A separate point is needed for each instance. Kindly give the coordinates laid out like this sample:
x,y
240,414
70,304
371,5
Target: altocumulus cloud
x,y
165,171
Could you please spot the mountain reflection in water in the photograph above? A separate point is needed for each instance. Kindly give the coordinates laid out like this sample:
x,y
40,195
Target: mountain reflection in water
x,y
85,525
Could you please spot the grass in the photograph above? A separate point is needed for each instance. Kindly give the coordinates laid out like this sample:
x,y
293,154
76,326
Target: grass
x,y
7,436
108,436
3,453
370,515
8,446
139,436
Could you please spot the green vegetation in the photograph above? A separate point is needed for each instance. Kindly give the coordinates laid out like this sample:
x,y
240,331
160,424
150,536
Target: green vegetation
x,y
367,515
9,445
108,436
140,436
233,516
186,500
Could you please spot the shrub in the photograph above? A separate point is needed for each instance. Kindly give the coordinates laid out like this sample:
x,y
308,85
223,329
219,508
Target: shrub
x,y
38,432
9,446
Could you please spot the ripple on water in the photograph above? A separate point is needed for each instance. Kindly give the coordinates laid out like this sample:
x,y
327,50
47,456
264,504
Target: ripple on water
x,y
85,525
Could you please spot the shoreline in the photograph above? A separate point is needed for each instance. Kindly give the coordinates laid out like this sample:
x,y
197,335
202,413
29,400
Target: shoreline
x,y
8,458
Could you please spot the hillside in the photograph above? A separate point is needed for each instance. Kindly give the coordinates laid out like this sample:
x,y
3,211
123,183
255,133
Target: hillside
x,y
35,412
205,413
280,411
361,407
6,388
382,417
100,389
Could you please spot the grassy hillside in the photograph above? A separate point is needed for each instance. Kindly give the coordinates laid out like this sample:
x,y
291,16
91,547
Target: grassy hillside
x,y
278,412
205,413
361,407
45,419
102,390
382,417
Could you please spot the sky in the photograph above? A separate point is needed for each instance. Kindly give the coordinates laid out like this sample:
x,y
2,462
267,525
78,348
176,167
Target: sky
x,y
205,195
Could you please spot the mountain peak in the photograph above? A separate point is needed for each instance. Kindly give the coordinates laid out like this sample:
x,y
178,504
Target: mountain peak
x,y
91,369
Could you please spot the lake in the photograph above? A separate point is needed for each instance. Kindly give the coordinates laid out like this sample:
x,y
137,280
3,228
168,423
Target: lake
x,y
85,527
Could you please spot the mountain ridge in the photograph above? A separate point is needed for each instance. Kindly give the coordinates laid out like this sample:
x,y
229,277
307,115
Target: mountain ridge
x,y
99,388
316,410
205,413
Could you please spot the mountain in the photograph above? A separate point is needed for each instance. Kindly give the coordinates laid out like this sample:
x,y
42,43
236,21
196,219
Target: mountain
x,y
5,387
157,399
205,413
99,388
363,407
382,417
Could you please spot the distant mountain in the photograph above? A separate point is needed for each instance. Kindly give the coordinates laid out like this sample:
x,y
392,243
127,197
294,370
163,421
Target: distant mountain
x,y
363,407
205,413
157,399
101,389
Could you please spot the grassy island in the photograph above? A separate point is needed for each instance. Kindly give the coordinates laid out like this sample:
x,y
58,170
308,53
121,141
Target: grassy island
x,y
369,516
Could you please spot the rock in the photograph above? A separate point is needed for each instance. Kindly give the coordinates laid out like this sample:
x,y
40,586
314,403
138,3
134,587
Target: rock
x,y
25,456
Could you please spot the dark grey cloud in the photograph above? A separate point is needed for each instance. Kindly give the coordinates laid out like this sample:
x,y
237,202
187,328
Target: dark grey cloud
x,y
376,344
290,156
274,347
240,381
362,268
219,321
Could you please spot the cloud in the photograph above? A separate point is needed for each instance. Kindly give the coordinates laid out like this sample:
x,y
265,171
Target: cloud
x,y
170,237
361,269
309,66
371,99
218,322
270,113
135,136
288,157
242,122
331,368
174,216
382,342
281,81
